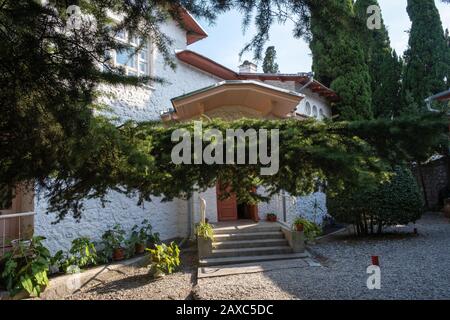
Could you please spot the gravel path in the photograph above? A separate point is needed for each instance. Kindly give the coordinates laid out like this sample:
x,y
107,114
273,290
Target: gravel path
x,y
134,283
412,267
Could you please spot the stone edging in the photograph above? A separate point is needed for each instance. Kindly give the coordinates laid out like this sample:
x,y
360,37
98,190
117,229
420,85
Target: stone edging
x,y
64,285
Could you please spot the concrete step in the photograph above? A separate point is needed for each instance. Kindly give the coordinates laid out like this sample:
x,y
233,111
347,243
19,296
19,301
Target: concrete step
x,y
262,251
250,244
248,236
246,229
249,259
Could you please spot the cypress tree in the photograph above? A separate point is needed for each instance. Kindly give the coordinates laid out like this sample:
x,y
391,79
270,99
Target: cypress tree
x,y
427,58
338,58
269,64
385,67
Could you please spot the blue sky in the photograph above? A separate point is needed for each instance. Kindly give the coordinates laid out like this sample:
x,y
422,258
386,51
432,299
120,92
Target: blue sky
x,y
226,37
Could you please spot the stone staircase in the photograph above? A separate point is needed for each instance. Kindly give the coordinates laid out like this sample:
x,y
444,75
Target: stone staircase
x,y
251,242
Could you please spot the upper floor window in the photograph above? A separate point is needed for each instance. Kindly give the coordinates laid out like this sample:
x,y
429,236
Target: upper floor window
x,y
321,114
308,109
135,64
315,111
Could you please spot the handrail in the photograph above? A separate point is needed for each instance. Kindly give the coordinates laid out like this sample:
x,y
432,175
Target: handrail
x,y
14,215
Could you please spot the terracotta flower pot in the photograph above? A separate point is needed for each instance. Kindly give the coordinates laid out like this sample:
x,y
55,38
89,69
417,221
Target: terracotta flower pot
x,y
118,254
299,227
139,248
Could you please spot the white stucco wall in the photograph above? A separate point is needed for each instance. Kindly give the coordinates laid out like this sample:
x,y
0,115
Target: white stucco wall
x,y
312,207
314,100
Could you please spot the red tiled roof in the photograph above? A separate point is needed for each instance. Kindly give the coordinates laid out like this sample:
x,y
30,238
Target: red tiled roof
x,y
205,64
194,31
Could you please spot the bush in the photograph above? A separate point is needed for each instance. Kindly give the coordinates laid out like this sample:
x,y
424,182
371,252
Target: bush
x,y
205,231
311,229
165,258
26,267
370,208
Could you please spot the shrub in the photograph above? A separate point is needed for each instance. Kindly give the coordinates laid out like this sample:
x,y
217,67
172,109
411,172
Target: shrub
x,y
26,267
205,230
370,208
82,253
165,258
311,229
143,235
112,239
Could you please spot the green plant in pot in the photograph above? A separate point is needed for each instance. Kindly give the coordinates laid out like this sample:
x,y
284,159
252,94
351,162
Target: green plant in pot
x,y
114,243
205,237
26,267
310,229
165,259
82,254
271,217
142,237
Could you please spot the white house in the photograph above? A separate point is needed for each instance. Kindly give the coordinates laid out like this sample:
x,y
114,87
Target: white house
x,y
269,96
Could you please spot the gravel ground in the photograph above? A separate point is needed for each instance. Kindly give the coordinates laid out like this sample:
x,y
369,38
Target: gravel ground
x,y
412,267
134,283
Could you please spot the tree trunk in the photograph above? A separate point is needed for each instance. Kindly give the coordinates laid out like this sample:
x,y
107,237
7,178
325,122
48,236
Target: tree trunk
x,y
380,227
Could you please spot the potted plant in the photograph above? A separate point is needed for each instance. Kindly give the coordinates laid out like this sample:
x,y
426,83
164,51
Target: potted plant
x,y
271,217
164,259
205,237
26,267
298,224
137,240
113,241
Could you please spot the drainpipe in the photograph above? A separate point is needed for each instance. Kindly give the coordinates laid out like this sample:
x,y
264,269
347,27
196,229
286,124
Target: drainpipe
x,y
190,211
310,81
284,207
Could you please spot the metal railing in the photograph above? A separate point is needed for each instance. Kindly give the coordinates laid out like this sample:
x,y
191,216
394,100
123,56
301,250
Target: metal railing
x,y
14,221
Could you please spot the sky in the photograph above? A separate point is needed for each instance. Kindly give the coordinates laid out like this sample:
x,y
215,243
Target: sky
x,y
226,38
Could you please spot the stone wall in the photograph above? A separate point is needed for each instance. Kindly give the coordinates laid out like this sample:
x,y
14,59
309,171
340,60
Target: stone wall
x,y
434,180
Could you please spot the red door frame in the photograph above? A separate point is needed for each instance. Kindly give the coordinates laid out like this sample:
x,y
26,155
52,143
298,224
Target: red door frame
x,y
227,208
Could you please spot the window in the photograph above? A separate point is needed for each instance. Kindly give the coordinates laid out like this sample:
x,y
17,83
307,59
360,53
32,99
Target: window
x,y
322,115
308,109
314,111
135,64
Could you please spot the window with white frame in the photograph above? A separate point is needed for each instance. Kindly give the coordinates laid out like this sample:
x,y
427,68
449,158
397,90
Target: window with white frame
x,y
134,63
308,109
314,111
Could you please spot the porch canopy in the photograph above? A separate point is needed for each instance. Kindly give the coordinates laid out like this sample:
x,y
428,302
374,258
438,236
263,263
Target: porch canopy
x,y
248,96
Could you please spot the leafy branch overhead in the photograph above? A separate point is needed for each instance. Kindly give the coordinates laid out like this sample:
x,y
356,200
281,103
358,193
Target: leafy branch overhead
x,y
137,161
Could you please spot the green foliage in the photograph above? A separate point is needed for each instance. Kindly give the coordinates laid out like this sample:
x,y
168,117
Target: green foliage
x,y
339,60
165,258
427,60
111,239
205,231
142,235
82,253
385,67
26,267
372,207
49,83
269,64
311,229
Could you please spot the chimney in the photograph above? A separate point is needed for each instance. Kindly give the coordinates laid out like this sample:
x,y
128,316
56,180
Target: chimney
x,y
248,67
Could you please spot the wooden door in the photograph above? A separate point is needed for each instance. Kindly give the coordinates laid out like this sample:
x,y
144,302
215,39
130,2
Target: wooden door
x,y
227,208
